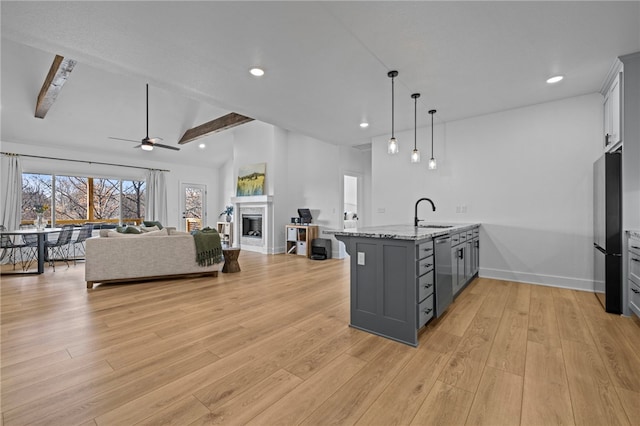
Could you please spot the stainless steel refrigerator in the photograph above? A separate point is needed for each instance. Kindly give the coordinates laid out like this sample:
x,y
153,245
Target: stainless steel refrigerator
x,y
607,231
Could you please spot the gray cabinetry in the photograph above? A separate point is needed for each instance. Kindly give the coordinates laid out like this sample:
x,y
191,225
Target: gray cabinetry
x,y
425,282
392,286
465,258
396,285
634,274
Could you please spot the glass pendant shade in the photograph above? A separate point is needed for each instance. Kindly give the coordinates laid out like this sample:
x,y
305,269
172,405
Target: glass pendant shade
x,y
392,148
432,164
147,147
415,156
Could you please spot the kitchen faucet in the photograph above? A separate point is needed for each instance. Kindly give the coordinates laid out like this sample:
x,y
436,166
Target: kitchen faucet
x,y
415,217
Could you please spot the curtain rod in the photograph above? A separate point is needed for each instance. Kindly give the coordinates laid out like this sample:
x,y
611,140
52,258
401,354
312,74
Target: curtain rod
x,y
82,161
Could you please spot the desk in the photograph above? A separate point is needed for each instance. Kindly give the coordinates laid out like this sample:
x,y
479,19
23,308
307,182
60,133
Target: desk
x,y
42,237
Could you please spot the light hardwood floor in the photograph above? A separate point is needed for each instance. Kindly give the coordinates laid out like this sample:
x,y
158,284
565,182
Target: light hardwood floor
x,y
271,345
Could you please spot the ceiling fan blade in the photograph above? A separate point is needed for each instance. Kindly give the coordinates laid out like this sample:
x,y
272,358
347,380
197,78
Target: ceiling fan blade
x,y
166,146
120,139
138,146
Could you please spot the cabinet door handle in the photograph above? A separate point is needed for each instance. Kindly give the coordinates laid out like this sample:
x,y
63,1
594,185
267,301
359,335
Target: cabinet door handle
x,y
428,265
428,311
635,260
460,254
635,291
428,286
637,248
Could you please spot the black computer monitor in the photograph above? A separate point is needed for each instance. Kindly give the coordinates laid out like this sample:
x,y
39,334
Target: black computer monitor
x,y
305,215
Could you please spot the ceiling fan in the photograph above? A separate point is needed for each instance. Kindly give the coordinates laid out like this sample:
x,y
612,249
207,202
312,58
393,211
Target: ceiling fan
x,y
147,144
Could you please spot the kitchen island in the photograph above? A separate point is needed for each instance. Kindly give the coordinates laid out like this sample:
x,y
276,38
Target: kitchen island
x,y
394,283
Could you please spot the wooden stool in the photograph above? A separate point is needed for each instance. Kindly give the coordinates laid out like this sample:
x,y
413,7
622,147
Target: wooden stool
x,y
231,260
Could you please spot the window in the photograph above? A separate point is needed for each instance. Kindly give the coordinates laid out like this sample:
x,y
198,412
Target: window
x,y
81,199
71,199
133,199
36,190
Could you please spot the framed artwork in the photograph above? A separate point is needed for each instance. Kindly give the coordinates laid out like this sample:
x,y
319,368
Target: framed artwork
x,y
251,180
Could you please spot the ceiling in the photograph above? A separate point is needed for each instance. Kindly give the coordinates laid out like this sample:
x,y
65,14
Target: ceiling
x,y
326,65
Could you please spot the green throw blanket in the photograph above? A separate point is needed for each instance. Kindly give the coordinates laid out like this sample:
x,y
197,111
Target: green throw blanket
x,y
208,247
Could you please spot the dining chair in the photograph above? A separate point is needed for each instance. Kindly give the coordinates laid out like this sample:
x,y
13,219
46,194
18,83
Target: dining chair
x,y
60,248
7,245
30,243
85,232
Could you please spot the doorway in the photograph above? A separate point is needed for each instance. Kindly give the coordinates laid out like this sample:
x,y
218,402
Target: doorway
x,y
352,201
193,205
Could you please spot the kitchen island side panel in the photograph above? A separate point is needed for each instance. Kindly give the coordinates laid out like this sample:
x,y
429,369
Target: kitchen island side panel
x,y
383,293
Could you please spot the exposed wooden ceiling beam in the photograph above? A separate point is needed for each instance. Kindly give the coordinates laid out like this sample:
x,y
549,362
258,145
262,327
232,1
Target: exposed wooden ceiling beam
x,y
58,75
214,126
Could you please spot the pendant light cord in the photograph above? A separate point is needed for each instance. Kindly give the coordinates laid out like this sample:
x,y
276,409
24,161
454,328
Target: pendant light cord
x,y
415,97
392,107
431,112
431,135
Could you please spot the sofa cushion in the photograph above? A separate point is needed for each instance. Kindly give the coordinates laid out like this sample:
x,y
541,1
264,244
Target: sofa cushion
x,y
144,229
115,234
158,233
152,223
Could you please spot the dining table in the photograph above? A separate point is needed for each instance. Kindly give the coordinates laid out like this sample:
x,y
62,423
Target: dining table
x,y
42,238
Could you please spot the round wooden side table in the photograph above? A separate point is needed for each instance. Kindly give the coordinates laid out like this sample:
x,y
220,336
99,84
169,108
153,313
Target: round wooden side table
x,y
231,260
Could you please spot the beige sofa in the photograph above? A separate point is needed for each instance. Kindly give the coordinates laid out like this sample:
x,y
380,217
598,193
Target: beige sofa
x,y
114,257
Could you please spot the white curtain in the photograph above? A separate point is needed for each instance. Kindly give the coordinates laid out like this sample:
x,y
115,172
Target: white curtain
x,y
156,206
11,193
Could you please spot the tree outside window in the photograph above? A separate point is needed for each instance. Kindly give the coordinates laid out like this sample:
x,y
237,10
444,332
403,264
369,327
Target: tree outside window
x,y
81,199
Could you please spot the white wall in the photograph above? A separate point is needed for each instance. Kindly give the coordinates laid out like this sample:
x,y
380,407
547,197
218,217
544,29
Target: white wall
x,y
302,172
176,175
525,174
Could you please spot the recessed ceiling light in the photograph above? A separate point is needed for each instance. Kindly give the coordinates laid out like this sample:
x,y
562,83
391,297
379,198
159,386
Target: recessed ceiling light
x,y
554,79
256,72
202,146
364,124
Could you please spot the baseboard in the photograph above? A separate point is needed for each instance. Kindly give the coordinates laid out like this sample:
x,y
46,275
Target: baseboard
x,y
539,279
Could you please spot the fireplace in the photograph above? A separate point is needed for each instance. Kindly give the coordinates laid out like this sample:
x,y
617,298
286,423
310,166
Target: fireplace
x,y
252,226
254,229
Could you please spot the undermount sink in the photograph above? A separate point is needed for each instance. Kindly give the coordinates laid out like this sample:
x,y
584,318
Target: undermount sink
x,y
435,226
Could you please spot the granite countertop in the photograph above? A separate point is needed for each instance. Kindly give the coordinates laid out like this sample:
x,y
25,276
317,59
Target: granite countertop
x,y
634,233
402,232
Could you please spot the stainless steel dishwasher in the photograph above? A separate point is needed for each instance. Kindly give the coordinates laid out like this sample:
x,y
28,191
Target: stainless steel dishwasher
x,y
444,285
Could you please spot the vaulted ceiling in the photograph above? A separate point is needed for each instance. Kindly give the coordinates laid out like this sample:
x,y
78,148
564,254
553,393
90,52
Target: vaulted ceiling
x,y
326,65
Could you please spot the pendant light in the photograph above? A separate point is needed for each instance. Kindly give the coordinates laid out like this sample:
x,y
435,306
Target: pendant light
x,y
392,148
432,160
415,154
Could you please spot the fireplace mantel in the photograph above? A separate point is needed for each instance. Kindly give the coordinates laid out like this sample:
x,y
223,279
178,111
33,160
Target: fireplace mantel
x,y
257,199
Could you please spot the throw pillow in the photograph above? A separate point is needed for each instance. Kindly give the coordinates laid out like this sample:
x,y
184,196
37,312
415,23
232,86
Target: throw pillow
x,y
153,223
127,230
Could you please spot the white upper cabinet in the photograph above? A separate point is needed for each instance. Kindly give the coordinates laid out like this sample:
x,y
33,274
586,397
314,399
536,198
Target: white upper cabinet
x,y
612,113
